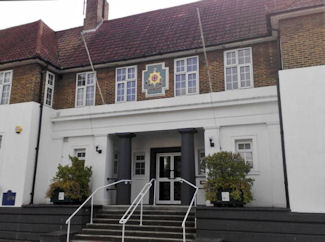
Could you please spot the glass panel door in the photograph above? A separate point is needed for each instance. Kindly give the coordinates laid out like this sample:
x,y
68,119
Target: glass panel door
x,y
168,170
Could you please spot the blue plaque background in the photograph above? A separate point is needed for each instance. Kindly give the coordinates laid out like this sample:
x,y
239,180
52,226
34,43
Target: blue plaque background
x,y
8,198
159,88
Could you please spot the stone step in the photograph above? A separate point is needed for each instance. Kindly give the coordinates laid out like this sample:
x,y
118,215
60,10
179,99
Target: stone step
x,y
147,216
137,233
145,222
177,208
85,237
167,212
177,229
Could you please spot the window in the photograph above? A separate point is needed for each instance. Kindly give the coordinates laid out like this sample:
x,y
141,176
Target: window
x,y
115,164
140,167
126,79
245,149
49,89
80,153
238,69
86,89
0,142
5,86
186,76
200,165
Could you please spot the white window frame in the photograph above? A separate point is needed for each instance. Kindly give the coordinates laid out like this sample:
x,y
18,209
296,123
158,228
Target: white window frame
x,y
49,86
139,161
125,83
10,85
238,68
197,72
85,87
79,150
253,139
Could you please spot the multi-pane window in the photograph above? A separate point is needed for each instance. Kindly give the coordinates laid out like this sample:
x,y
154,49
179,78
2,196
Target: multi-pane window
x,y
201,165
126,82
5,86
140,165
49,89
238,68
245,149
80,153
186,76
86,89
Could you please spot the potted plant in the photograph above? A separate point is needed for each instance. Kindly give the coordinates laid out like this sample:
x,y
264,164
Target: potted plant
x,y
71,183
227,182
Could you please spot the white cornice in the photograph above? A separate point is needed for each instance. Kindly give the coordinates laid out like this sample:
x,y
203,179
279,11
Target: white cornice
x,y
175,104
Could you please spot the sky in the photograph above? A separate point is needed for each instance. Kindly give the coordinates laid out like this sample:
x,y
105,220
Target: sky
x,y
64,14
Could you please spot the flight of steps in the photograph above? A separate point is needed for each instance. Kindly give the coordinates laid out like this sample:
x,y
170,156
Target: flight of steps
x,y
160,224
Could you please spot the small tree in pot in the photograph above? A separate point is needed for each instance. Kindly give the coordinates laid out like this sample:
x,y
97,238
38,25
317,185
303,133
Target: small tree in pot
x,y
227,183
72,182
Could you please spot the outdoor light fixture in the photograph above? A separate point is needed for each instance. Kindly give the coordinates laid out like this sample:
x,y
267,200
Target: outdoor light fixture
x,y
98,149
211,142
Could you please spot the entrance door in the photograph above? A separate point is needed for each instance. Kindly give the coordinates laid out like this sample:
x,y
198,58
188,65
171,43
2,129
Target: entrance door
x,y
168,170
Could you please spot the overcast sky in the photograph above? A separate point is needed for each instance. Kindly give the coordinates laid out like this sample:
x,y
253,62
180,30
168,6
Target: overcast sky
x,y
64,14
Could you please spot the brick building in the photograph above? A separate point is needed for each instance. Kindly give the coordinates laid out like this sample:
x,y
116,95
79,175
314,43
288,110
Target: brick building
x,y
150,103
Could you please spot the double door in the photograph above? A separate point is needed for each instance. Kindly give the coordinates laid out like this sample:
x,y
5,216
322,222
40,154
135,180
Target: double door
x,y
168,170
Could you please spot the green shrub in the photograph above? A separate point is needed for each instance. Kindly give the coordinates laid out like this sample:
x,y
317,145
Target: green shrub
x,y
228,171
72,180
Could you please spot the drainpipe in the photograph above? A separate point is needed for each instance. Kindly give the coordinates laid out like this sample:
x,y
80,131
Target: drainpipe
x,y
40,101
281,122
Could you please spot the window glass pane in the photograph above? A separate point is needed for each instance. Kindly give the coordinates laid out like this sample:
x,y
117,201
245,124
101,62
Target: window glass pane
x,y
180,85
121,74
7,77
80,96
120,92
180,66
81,79
131,91
231,58
49,96
192,64
1,77
90,78
90,96
192,83
131,73
245,76
50,79
80,153
5,94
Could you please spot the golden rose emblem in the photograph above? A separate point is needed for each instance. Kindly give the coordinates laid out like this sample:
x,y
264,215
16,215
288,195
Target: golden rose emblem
x,y
154,78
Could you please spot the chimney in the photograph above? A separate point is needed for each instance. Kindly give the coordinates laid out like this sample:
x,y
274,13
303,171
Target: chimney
x,y
96,12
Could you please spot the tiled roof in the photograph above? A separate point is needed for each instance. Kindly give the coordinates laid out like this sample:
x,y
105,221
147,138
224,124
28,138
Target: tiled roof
x,y
152,33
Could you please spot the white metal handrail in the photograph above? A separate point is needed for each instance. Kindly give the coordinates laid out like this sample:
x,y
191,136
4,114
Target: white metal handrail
x,y
92,205
135,204
193,202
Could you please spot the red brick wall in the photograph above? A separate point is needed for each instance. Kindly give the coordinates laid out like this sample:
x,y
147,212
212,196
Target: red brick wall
x,y
265,64
25,83
303,41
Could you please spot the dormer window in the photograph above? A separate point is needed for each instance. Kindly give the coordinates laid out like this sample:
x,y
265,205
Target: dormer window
x,y
5,86
238,69
85,89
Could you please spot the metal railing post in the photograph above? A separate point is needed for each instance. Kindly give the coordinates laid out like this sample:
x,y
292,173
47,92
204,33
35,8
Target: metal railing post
x,y
68,232
154,193
184,234
123,232
141,212
92,210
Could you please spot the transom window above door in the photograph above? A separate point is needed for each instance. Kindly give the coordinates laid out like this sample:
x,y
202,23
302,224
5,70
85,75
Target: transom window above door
x,y
186,76
85,89
238,69
126,84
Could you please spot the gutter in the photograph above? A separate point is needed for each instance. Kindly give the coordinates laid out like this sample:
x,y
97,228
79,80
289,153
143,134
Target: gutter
x,y
40,119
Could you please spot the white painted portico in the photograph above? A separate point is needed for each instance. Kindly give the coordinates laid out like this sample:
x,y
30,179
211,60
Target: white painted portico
x,y
220,117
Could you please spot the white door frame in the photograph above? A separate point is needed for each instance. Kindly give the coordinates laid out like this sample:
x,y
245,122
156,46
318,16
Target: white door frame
x,y
172,181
